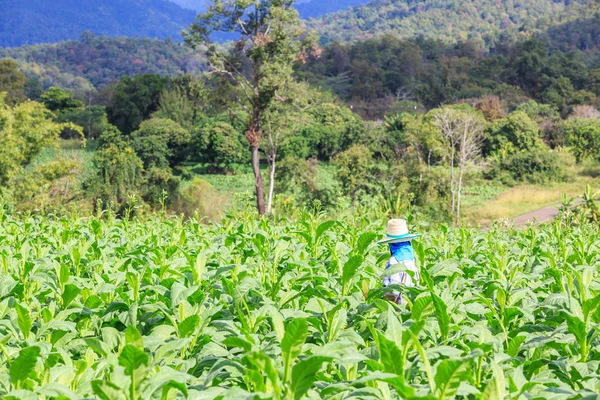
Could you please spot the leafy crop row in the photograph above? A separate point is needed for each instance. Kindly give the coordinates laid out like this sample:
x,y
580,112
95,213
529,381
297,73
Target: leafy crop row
x,y
289,310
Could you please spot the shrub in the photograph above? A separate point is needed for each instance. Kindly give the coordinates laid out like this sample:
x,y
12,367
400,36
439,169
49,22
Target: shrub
x,y
583,136
537,166
517,132
219,143
307,181
161,143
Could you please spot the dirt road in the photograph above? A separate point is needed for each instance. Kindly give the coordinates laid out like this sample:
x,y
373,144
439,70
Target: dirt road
x,y
539,216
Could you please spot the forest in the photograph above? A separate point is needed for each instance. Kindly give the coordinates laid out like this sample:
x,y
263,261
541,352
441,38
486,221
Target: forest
x,y
141,124
482,21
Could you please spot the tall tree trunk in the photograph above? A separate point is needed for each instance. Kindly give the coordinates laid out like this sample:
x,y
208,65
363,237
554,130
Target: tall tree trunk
x,y
452,189
459,189
271,181
258,181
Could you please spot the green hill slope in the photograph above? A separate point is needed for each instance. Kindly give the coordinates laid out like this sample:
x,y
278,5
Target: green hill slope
x,y
449,20
41,21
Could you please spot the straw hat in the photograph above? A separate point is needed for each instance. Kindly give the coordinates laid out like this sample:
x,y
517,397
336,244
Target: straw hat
x,y
397,232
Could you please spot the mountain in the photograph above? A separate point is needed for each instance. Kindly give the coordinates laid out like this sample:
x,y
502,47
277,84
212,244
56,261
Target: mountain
x,y
316,8
97,61
450,20
43,21
306,8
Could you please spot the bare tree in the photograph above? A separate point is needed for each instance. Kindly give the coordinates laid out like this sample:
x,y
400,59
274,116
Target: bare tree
x,y
586,112
463,129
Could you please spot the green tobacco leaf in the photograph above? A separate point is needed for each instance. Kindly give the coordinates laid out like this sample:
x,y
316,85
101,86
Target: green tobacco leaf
x,y
134,337
350,268
188,326
495,389
234,341
390,355
135,362
441,314
65,274
291,345
173,385
265,364
364,241
23,320
449,375
107,391
304,374
321,229
514,345
69,294
24,364
422,307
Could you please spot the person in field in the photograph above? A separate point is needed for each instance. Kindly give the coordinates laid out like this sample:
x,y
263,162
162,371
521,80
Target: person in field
x,y
401,252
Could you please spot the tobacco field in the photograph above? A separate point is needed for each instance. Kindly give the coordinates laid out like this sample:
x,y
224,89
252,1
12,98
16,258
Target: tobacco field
x,y
163,308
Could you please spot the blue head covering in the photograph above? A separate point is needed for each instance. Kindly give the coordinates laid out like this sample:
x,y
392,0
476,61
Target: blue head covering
x,y
402,251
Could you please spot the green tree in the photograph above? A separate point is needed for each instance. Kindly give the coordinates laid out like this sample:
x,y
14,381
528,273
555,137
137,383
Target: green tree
x,y
583,136
118,170
219,143
161,143
559,94
25,129
56,99
517,132
134,100
184,101
12,82
260,65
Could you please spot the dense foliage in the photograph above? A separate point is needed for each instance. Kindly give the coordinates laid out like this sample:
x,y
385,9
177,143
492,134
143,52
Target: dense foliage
x,y
38,21
97,61
157,308
449,20
381,75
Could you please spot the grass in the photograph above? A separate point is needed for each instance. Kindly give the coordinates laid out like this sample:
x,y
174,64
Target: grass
x,y
231,184
519,200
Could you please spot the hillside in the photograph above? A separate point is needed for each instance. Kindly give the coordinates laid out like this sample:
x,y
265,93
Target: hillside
x,y
306,8
97,61
41,21
449,20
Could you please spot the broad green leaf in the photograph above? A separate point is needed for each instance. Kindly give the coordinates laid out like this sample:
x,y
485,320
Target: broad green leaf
x,y
135,362
24,364
265,364
422,306
188,326
322,228
134,337
514,345
291,345
441,315
364,241
449,375
70,293
495,389
23,320
390,355
107,391
304,374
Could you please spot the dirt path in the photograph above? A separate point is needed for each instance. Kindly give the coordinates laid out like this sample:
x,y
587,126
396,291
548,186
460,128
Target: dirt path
x,y
539,216
542,215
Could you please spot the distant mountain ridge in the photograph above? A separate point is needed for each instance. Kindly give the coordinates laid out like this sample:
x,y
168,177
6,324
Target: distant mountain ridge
x,y
306,8
28,22
41,21
450,20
